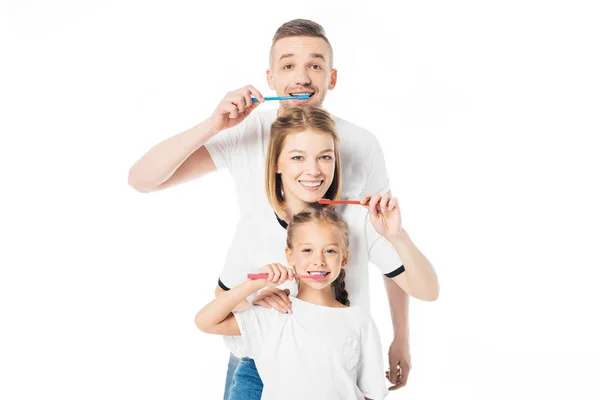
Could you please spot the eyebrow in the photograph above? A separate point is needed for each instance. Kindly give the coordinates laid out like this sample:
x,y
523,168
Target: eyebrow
x,y
312,55
302,151
328,244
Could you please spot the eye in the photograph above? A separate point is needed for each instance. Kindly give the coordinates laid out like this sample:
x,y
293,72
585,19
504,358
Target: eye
x,y
331,251
287,66
316,66
306,250
328,158
297,158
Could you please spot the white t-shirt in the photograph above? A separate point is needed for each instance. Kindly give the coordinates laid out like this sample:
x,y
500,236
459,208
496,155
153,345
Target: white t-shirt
x,y
242,150
315,353
260,239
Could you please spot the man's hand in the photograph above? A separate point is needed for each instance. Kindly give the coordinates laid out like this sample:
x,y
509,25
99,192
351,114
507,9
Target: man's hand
x,y
274,298
399,358
235,107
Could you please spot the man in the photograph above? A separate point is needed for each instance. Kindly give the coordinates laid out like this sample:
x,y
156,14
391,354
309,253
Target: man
x,y
301,62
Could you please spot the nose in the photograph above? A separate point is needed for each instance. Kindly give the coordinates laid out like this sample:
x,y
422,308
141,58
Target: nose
x,y
302,78
314,168
319,260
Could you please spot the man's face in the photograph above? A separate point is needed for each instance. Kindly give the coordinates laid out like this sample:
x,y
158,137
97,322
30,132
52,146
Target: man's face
x,y
301,65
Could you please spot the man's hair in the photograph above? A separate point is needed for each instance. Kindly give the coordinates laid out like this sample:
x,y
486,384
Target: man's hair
x,y
300,27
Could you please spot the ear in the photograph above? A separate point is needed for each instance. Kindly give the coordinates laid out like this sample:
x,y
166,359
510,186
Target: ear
x,y
270,80
345,259
333,79
288,256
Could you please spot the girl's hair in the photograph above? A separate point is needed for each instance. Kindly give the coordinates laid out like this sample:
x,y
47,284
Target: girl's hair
x,y
326,215
296,120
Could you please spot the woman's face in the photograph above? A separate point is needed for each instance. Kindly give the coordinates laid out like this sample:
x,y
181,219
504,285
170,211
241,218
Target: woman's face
x,y
317,248
306,164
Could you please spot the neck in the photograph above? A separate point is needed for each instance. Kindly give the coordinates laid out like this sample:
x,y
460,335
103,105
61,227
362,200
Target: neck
x,y
321,297
294,206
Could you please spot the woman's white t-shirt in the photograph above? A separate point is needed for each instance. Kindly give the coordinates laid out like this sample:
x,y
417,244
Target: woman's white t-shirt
x,y
314,353
260,239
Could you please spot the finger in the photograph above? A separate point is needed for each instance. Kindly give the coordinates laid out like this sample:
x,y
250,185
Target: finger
x,y
393,204
383,204
290,274
373,203
247,100
365,200
404,371
270,273
240,102
276,273
229,108
261,303
276,303
283,295
255,93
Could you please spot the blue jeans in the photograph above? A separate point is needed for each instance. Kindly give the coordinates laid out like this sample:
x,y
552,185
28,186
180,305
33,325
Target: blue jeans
x,y
243,381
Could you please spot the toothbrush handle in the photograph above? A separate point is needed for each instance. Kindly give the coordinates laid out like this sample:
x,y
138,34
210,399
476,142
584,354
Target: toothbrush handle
x,y
258,276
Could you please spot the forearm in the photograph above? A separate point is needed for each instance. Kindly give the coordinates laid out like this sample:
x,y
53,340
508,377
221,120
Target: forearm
x,y
419,274
241,305
399,302
162,160
218,309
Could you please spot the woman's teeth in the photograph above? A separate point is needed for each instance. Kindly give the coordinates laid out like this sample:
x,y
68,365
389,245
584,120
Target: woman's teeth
x,y
311,184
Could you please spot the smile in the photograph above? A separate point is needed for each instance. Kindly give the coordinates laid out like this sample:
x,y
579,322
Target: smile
x,y
311,184
300,93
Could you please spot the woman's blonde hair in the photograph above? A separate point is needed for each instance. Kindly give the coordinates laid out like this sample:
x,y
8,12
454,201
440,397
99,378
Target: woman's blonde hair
x,y
321,214
296,120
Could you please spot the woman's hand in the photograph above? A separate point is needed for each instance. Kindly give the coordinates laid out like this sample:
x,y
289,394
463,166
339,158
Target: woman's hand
x,y
384,214
278,274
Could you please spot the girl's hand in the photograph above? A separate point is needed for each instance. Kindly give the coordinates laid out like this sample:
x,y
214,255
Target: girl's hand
x,y
384,214
278,274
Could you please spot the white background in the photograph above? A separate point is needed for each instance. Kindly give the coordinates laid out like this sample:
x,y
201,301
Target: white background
x,y
488,114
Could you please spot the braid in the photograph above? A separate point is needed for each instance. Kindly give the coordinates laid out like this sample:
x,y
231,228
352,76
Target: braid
x,y
339,288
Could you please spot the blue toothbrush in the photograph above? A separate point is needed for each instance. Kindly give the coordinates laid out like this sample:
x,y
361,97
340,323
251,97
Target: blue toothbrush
x,y
299,97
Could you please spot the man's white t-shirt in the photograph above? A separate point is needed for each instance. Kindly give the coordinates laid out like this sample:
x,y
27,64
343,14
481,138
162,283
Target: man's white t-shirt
x,y
242,151
260,239
317,353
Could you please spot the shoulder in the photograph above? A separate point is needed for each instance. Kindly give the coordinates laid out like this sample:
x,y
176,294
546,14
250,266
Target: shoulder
x,y
348,129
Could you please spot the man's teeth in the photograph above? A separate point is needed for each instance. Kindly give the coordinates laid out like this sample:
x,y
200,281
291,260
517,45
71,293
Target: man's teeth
x,y
311,184
300,94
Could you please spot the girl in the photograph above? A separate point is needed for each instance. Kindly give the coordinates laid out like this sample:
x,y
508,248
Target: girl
x,y
302,166
325,349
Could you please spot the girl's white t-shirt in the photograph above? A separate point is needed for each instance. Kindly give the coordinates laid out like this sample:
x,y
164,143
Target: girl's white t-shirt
x,y
315,353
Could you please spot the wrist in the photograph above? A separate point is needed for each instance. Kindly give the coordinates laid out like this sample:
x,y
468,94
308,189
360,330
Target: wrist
x,y
399,237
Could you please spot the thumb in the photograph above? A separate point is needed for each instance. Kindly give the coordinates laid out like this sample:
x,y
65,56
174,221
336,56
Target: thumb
x,y
287,291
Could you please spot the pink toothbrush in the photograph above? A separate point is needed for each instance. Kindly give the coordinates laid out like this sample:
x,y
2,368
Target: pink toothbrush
x,y
317,277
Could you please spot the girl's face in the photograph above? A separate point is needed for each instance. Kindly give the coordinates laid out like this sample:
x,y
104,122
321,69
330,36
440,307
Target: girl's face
x,y
306,164
317,247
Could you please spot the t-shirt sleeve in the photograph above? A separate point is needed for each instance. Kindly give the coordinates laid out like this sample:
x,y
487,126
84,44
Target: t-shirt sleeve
x,y
381,252
377,179
225,144
371,374
255,323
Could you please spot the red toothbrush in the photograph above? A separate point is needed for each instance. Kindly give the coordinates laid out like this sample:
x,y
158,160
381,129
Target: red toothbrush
x,y
265,275
326,201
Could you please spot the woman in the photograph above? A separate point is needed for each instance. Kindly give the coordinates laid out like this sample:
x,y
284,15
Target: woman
x,y
302,166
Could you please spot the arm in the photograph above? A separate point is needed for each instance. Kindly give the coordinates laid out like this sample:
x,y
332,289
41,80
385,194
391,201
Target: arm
x,y
216,317
183,157
399,351
419,279
241,305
